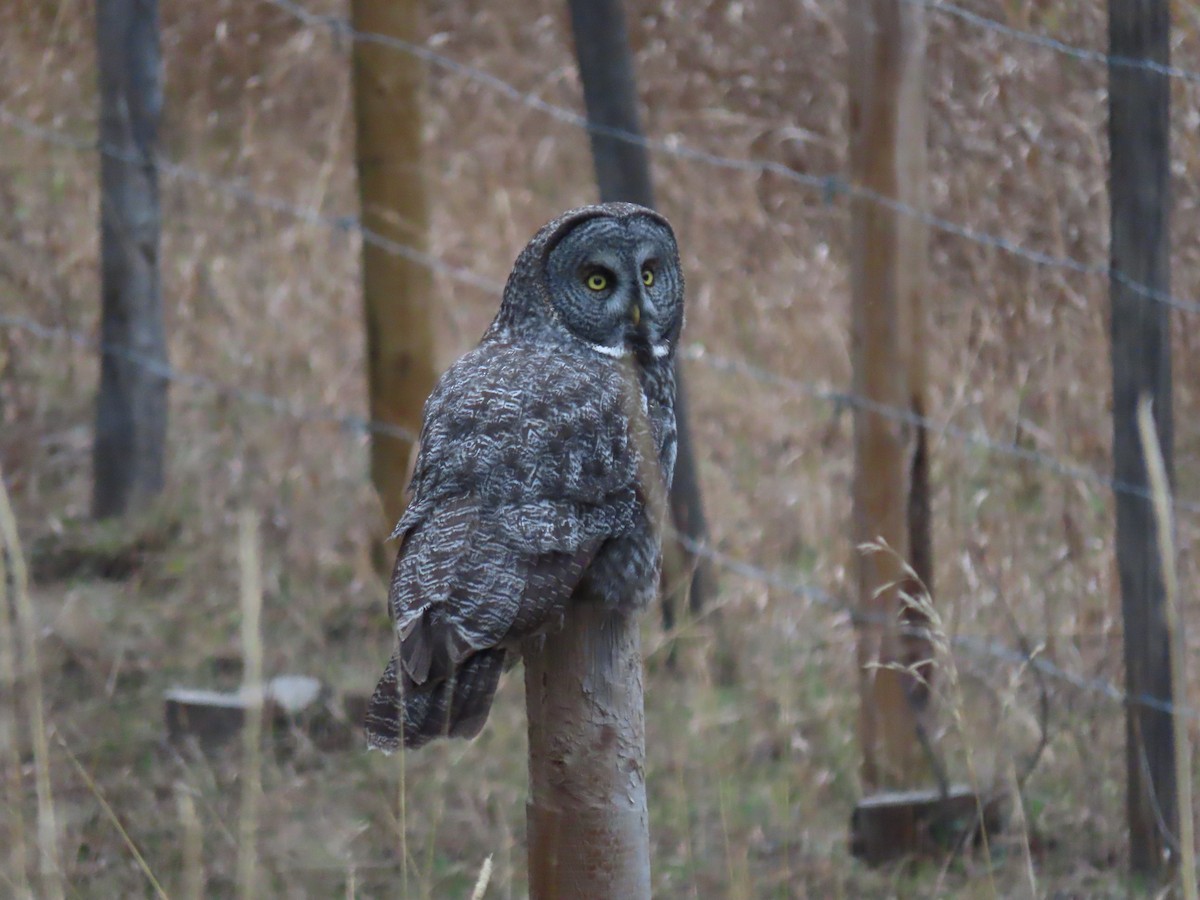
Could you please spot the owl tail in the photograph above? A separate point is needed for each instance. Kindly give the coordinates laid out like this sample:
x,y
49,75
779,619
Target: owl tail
x,y
403,712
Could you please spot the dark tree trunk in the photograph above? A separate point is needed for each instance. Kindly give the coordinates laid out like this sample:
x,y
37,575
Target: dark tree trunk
x,y
1138,133
610,94
131,407
623,173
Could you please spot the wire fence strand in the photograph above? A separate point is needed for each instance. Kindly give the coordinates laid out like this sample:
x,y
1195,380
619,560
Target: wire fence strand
x,y
273,403
936,427
829,185
232,189
976,646
693,352
1040,40
970,644
349,224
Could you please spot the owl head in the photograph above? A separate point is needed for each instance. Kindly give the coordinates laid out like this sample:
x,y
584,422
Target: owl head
x,y
605,276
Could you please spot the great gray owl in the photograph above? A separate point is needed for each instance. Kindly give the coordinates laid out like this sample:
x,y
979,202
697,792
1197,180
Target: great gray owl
x,y
544,458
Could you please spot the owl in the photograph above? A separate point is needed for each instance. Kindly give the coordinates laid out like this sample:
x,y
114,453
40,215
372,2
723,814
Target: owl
x,y
545,457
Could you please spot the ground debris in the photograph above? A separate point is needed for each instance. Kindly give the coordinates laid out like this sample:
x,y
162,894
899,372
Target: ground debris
x,y
293,705
922,823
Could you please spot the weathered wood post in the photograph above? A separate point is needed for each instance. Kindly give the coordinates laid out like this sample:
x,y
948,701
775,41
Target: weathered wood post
x,y
1138,134
587,821
588,828
887,265
129,448
623,173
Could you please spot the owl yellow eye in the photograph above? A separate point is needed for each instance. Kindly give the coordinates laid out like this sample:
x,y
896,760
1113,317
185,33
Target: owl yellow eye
x,y
647,277
597,282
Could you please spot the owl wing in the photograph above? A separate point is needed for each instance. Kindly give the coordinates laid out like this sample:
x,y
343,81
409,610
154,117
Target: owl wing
x,y
524,473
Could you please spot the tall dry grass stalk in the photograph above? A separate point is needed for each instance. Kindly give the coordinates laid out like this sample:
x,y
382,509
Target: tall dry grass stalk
x,y
485,876
250,560
50,857
942,659
193,845
112,817
1160,490
9,731
402,820
1022,823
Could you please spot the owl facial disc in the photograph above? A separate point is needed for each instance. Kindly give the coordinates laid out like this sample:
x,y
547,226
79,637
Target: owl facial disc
x,y
613,282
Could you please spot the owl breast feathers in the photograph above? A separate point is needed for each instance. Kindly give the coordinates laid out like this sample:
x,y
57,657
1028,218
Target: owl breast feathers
x,y
544,460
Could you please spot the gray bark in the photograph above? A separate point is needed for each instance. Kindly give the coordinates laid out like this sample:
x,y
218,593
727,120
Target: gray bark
x,y
1138,131
131,406
623,173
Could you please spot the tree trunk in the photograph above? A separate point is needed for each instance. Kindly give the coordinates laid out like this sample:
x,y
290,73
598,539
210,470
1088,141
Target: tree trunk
x,y
589,835
129,449
397,292
623,173
1138,133
888,157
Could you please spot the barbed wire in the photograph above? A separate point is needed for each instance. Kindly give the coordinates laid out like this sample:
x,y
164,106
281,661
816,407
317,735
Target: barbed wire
x,y
352,423
692,352
829,185
250,396
697,353
1040,40
970,644
933,426
349,224
976,646
236,191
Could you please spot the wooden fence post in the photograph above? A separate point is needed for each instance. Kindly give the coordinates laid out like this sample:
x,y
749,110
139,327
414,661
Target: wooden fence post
x,y
588,827
397,291
887,257
129,449
623,173
1138,134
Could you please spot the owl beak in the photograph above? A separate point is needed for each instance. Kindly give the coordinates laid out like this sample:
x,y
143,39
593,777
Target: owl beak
x,y
635,314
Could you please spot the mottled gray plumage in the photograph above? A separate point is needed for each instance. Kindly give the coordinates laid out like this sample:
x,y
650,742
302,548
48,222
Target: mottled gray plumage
x,y
545,456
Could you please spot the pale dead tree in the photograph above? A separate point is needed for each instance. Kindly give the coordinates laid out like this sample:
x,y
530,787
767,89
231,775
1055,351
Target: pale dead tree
x,y
397,288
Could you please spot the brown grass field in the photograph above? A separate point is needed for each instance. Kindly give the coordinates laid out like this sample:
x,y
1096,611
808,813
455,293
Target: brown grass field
x,y
751,778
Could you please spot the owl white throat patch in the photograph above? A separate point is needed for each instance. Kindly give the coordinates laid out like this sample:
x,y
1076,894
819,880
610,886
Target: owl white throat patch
x,y
658,351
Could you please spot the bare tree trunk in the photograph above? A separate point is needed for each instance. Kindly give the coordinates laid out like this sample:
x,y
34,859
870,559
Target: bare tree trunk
x,y
888,157
129,451
1139,138
589,834
397,292
623,173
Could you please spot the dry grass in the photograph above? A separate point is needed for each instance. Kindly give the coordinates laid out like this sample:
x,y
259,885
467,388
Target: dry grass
x,y
751,785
